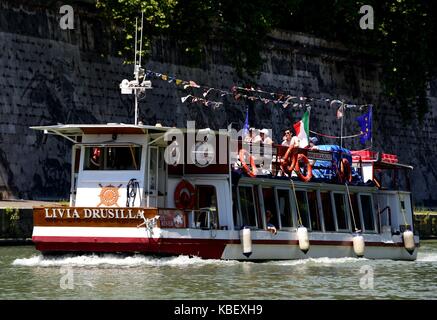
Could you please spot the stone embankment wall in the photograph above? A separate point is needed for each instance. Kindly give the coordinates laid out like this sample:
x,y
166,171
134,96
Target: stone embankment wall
x,y
50,76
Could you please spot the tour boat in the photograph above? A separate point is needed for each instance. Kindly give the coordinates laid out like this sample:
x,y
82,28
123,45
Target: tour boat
x,y
136,188
198,192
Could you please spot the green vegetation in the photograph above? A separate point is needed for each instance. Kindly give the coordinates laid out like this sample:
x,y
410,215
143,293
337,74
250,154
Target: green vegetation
x,y
13,216
403,40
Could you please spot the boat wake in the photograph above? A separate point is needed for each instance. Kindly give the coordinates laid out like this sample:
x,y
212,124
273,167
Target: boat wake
x,y
109,260
324,260
426,257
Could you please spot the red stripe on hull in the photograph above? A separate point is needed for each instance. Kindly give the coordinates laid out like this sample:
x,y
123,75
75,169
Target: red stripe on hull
x,y
205,248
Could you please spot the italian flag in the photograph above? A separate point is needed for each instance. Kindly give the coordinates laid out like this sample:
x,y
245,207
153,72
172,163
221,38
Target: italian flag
x,y
302,130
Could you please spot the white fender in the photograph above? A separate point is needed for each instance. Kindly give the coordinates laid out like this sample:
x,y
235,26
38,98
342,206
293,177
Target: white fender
x,y
359,245
246,241
409,241
302,236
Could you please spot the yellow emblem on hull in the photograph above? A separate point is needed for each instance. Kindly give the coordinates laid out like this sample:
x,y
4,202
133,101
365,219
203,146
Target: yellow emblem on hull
x,y
109,195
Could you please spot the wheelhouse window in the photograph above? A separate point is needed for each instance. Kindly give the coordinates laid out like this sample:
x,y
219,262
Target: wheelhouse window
x,y
284,208
367,212
341,211
247,206
112,158
328,217
303,208
314,211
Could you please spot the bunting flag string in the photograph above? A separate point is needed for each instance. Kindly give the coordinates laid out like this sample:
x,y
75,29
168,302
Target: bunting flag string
x,y
252,94
205,102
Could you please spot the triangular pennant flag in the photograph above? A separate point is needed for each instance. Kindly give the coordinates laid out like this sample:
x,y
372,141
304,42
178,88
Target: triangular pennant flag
x,y
193,84
183,99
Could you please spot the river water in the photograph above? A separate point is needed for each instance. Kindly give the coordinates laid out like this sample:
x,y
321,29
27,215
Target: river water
x,y
25,274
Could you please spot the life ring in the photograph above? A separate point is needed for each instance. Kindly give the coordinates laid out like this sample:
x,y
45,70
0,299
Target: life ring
x,y
300,175
345,173
95,158
288,161
185,195
252,170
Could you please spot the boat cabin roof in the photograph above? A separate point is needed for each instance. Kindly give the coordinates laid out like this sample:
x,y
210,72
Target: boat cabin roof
x,y
109,128
69,131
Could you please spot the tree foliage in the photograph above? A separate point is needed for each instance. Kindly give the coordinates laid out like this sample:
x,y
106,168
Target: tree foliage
x,y
403,38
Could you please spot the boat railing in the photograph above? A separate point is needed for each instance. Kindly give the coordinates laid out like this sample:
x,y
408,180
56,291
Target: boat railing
x,y
269,157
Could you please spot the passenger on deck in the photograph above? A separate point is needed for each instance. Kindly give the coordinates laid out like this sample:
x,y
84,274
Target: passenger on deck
x,y
286,140
263,150
290,139
270,226
250,137
263,137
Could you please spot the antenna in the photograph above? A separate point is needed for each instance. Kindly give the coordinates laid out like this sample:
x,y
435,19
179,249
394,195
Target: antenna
x,y
141,36
126,86
136,40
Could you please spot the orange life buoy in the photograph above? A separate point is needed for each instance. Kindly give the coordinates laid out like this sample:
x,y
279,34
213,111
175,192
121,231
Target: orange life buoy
x,y
309,175
252,170
185,195
288,161
345,173
95,158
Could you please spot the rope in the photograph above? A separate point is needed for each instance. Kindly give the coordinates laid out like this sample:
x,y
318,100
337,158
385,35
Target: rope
x,y
297,205
131,190
335,137
352,209
402,210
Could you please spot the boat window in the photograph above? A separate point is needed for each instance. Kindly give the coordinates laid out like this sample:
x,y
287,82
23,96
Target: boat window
x,y
206,197
247,207
284,208
270,204
303,208
314,211
341,211
112,158
328,217
356,212
367,211
206,201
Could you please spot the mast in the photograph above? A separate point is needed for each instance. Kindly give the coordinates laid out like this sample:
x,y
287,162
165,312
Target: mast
x,y
135,86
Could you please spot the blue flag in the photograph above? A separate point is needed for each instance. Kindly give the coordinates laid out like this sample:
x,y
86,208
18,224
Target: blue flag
x,y
365,122
246,124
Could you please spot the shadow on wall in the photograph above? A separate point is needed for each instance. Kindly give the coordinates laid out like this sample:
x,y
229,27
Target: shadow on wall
x,y
6,178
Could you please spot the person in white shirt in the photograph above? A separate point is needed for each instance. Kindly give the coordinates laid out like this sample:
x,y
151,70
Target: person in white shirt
x,y
287,138
263,137
290,139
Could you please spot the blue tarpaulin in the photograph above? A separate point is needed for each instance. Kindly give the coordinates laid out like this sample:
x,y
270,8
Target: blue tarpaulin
x,y
327,170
